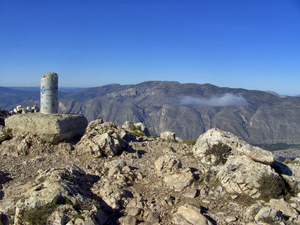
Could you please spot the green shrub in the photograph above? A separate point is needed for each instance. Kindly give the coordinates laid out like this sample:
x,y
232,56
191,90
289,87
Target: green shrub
x,y
189,142
78,216
221,152
136,131
271,186
86,205
246,200
138,134
39,215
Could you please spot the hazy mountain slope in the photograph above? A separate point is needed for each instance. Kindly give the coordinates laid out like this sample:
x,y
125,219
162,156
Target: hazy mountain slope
x,y
191,109
27,96
12,97
187,109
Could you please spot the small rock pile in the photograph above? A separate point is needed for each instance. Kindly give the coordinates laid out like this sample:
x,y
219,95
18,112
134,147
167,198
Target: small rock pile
x,y
20,110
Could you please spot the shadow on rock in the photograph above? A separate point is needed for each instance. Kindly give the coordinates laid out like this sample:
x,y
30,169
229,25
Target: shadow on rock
x,y
281,168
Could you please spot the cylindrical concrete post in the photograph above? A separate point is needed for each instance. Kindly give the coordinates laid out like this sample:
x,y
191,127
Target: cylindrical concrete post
x,y
49,93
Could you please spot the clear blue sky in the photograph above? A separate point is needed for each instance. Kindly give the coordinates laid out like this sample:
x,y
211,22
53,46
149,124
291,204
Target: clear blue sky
x,y
252,44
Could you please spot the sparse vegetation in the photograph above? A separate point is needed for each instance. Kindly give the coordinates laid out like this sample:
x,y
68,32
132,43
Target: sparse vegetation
x,y
220,151
41,180
291,191
272,186
39,215
245,200
256,210
87,205
189,142
78,216
136,131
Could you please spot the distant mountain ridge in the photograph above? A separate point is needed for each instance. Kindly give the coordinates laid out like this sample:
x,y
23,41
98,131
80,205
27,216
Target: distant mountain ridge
x,y
191,109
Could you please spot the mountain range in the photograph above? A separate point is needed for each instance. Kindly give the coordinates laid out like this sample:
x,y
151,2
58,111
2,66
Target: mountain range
x,y
189,109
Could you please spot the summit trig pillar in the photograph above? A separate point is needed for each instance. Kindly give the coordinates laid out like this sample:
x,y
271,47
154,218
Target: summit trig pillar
x,y
49,93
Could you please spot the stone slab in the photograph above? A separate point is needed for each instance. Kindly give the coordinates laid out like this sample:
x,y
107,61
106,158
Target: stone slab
x,y
52,128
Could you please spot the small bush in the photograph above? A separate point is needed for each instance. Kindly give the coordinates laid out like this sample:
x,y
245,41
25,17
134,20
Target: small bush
x,y
271,186
245,200
138,134
221,152
78,216
189,142
87,205
39,215
136,131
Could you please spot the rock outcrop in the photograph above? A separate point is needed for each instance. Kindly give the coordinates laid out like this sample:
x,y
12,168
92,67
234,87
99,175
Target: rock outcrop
x,y
52,128
103,139
239,147
112,177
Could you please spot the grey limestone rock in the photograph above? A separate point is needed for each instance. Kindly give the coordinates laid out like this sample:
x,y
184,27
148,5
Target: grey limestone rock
x,y
192,215
168,136
166,164
241,175
238,146
53,128
102,139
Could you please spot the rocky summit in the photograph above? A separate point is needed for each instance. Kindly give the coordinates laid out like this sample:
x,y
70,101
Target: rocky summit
x,y
113,174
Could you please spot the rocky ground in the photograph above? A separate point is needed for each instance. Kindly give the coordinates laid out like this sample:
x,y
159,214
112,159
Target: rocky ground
x,y
113,177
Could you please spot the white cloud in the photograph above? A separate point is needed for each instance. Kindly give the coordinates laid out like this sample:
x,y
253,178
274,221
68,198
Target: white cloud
x,y
226,100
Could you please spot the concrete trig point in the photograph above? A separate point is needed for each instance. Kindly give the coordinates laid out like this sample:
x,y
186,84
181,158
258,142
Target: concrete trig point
x,y
49,93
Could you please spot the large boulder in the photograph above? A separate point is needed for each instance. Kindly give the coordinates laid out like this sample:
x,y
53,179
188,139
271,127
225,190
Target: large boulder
x,y
52,128
242,175
238,146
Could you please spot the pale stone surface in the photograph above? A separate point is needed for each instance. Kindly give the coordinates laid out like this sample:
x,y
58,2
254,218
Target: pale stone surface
x,y
166,164
168,136
180,179
192,215
128,220
215,136
52,128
